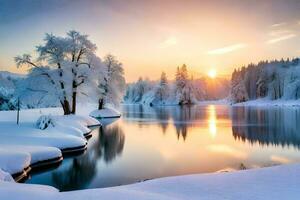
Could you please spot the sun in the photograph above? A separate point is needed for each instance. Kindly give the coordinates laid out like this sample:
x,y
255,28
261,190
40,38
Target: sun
x,y
212,73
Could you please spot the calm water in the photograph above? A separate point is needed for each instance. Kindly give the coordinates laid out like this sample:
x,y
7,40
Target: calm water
x,y
149,142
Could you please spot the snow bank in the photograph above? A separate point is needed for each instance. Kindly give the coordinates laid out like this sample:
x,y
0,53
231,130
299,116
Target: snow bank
x,y
105,113
15,191
268,102
15,158
274,183
27,134
14,161
37,153
4,176
83,120
24,144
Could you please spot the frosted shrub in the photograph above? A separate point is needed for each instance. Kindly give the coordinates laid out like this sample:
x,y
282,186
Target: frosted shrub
x,y
45,121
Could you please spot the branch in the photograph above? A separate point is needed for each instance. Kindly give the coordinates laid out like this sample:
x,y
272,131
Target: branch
x,y
34,90
51,80
81,82
85,63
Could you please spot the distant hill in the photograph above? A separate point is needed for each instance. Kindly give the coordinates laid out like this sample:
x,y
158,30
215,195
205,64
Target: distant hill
x,y
7,74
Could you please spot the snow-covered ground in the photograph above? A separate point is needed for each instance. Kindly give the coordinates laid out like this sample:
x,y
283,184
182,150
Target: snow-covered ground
x,y
106,113
267,102
214,102
274,183
24,145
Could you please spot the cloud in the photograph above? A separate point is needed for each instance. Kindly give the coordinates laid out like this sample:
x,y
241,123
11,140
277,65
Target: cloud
x,y
227,49
277,33
282,38
278,25
170,41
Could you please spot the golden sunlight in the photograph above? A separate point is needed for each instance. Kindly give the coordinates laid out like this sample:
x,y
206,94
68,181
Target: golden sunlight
x,y
212,121
212,73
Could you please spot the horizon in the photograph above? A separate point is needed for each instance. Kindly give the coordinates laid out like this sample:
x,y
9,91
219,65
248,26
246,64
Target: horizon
x,y
149,40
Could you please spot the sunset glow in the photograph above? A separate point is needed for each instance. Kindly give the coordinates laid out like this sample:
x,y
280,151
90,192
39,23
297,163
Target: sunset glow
x,y
149,40
212,73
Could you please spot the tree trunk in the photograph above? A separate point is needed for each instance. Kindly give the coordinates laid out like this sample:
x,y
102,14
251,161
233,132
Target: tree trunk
x,y
66,107
100,104
74,97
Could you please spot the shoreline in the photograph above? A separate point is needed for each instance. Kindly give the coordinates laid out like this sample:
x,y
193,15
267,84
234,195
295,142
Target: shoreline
x,y
276,183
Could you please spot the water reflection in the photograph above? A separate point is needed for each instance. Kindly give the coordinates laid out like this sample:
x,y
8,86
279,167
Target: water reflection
x,y
112,141
78,173
276,126
168,141
212,121
182,118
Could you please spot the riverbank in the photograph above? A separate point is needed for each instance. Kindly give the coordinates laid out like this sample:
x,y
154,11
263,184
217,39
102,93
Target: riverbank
x,y
253,103
268,103
24,146
280,182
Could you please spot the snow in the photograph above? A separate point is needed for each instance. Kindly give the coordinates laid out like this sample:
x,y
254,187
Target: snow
x,y
24,144
7,74
4,176
106,113
27,134
264,102
183,90
280,182
14,161
37,153
214,102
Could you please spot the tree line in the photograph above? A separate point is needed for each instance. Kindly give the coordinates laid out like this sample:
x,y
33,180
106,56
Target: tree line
x,y
268,79
183,90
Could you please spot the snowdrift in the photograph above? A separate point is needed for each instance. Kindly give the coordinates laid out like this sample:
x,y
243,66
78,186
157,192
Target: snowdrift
x,y
274,183
105,113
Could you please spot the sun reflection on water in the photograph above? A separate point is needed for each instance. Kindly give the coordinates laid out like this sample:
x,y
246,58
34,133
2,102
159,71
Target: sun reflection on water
x,y
212,121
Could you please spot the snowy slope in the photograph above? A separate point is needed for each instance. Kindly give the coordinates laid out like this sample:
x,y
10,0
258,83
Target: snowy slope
x,y
274,183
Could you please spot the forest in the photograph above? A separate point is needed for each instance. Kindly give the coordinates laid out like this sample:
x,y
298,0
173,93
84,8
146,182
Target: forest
x,y
183,89
270,80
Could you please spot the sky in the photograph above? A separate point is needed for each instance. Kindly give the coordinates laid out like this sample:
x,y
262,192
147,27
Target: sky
x,y
152,36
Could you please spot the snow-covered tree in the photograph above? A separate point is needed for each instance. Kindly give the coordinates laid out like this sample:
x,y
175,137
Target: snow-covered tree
x,y
272,80
7,88
238,89
112,85
162,90
62,67
184,88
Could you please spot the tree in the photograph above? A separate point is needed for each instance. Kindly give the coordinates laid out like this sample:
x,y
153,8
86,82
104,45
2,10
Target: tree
x,y
63,65
184,87
7,88
162,89
113,85
238,87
